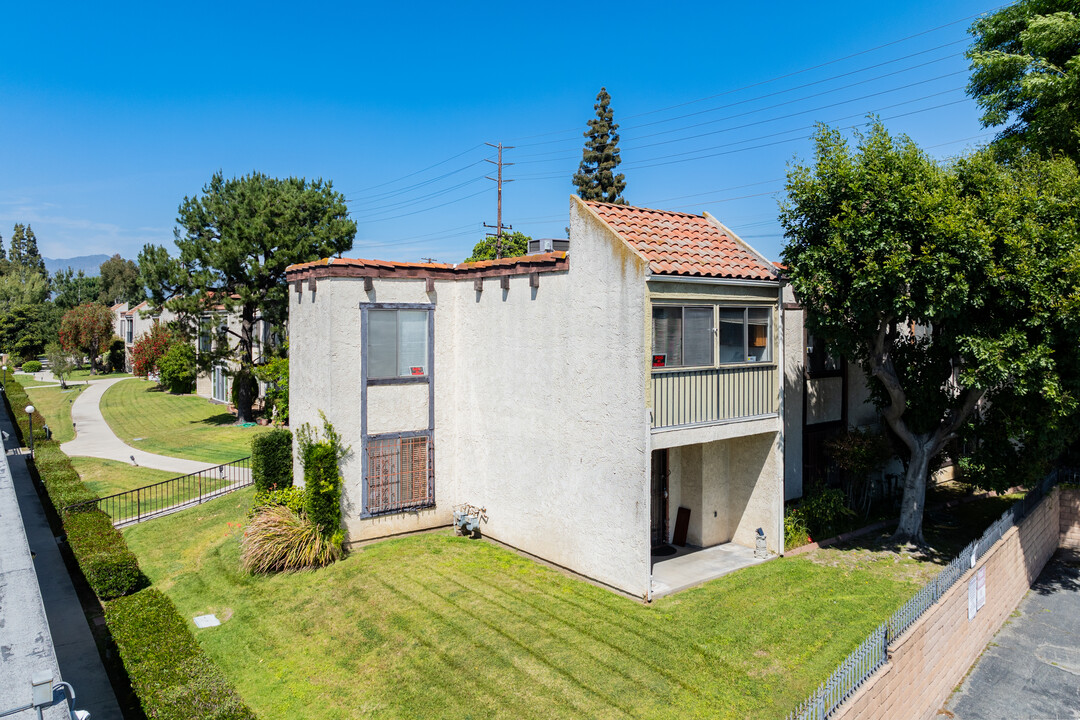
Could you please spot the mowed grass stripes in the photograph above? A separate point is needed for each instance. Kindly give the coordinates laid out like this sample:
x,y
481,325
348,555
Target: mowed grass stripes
x,y
184,426
436,626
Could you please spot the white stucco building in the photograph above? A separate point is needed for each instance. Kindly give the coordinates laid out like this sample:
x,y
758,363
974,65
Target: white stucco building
x,y
596,402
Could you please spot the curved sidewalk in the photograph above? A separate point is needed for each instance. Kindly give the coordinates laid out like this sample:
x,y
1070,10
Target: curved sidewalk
x,y
94,437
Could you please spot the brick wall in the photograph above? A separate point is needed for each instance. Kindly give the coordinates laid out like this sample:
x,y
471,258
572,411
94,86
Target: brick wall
x,y
1069,538
932,657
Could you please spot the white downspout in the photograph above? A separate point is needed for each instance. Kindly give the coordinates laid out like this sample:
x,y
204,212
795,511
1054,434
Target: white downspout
x,y
782,369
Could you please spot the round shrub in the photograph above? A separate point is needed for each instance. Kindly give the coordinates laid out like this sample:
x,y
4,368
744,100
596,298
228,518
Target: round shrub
x,y
31,366
177,368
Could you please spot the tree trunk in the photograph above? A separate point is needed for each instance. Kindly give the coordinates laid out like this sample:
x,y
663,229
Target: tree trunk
x,y
914,501
244,400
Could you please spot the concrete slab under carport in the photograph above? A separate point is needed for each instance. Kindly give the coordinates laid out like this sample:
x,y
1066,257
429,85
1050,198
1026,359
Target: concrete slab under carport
x,y
691,566
1031,669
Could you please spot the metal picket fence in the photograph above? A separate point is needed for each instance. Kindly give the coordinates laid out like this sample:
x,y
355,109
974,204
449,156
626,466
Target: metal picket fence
x,y
168,496
857,668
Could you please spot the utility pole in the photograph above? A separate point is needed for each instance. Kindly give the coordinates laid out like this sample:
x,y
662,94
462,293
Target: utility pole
x,y
498,222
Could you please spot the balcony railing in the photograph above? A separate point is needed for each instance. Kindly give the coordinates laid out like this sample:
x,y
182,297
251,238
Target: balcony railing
x,y
713,395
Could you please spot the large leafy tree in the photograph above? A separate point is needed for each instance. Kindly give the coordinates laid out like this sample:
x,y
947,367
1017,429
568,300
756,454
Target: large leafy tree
x,y
954,287
25,330
120,282
235,241
87,329
71,289
514,244
596,178
1025,63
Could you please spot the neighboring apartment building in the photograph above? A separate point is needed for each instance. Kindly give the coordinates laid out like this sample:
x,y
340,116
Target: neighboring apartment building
x,y
582,398
215,384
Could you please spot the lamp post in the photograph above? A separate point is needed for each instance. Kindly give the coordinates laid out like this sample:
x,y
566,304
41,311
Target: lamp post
x,y
30,418
6,368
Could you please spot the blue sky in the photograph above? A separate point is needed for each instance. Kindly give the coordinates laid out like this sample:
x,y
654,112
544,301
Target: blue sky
x,y
113,112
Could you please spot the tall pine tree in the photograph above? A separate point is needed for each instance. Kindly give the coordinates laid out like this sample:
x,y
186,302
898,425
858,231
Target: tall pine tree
x,y
596,178
24,250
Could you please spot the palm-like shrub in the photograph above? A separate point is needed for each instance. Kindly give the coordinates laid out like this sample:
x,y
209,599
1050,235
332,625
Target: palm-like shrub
x,y
282,540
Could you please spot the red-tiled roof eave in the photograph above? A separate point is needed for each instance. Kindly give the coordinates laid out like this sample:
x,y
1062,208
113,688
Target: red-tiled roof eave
x,y
676,243
354,267
771,279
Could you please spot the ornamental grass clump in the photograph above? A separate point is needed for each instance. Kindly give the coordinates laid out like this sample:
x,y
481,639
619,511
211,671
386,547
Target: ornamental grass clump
x,y
281,540
286,534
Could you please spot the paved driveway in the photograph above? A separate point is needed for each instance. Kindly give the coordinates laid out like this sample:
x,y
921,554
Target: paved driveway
x,y
1031,669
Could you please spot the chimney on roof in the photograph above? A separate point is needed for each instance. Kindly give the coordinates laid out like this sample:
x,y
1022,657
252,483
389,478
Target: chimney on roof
x,y
546,245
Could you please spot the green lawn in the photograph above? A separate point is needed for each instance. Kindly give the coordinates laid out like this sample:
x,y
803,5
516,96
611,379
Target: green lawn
x,y
55,404
108,477
185,426
28,380
434,625
84,374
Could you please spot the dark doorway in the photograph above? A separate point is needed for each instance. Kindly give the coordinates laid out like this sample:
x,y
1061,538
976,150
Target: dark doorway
x,y
659,504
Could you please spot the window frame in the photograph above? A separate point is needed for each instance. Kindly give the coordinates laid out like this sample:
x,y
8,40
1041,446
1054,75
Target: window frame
x,y
717,308
683,307
366,341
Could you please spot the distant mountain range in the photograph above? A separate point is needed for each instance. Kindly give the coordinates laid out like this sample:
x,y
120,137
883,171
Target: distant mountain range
x,y
89,264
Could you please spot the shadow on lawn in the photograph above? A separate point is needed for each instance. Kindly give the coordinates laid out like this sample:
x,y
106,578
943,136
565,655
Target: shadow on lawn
x,y
219,420
947,530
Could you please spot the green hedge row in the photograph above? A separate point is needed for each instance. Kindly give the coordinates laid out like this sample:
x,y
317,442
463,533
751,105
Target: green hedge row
x,y
167,669
272,460
108,565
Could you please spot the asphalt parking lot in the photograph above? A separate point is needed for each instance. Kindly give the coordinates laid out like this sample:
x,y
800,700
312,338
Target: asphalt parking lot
x,y
1031,669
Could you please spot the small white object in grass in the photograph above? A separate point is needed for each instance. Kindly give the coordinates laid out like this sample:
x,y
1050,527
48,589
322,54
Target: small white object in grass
x,y
205,621
137,439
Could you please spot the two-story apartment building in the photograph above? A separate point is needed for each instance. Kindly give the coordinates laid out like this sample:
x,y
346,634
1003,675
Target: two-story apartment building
x,y
581,398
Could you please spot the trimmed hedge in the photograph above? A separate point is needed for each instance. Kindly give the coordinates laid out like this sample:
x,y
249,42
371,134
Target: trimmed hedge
x,y
272,460
322,481
63,484
168,670
107,564
31,366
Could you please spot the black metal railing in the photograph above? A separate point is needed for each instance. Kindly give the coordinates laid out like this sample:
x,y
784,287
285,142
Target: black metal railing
x,y
150,501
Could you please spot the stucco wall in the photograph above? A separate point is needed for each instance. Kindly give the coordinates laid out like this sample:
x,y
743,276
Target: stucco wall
x,y
325,373
549,432
731,488
793,396
539,403
933,655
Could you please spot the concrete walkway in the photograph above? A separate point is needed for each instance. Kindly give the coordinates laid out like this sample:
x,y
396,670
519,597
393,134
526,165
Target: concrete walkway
x,y
691,566
1031,669
94,437
35,587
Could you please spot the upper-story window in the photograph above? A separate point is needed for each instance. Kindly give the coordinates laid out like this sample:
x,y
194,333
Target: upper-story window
x,y
206,326
682,336
745,335
709,335
130,329
397,343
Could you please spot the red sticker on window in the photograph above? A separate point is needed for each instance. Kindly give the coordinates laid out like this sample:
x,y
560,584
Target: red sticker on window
x,y
417,370
659,360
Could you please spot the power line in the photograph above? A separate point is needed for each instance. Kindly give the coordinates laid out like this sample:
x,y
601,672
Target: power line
x,y
778,77
429,167
624,127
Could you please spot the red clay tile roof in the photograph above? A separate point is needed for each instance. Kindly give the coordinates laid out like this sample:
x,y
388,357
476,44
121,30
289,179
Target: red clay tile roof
x,y
356,267
676,243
